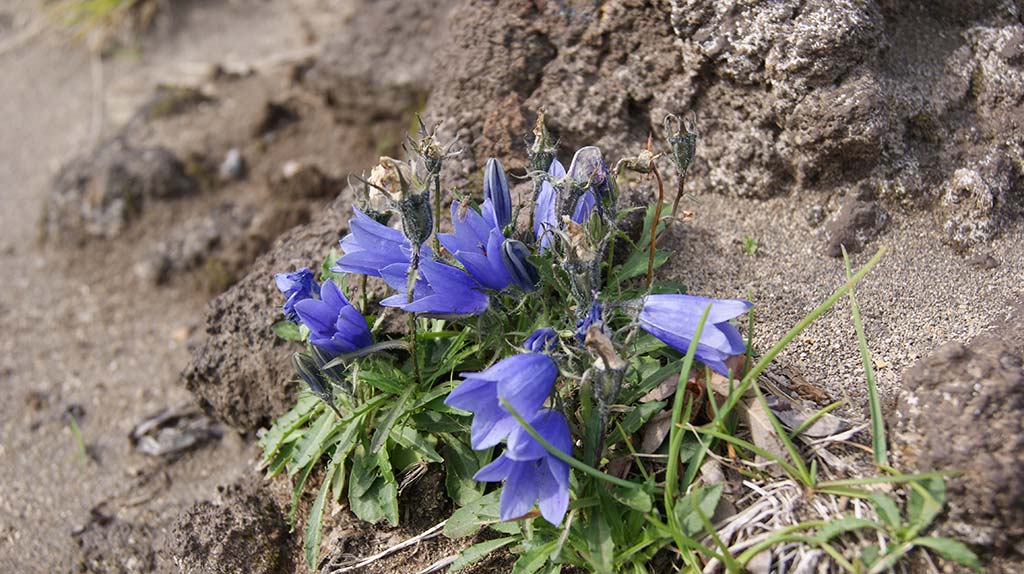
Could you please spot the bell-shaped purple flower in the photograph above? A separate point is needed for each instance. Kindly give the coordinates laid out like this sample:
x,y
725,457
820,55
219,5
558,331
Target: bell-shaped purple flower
x,y
540,340
440,290
295,287
514,254
544,216
370,247
593,315
584,207
476,244
335,326
532,475
524,381
674,318
496,189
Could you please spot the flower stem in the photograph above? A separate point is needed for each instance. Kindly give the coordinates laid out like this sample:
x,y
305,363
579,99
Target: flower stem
x,y
679,194
437,213
654,226
414,265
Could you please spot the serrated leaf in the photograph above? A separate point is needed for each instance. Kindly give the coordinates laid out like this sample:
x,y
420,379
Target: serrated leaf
x,y
600,546
478,552
363,486
410,439
387,494
287,330
634,498
314,526
304,409
924,503
380,436
843,525
886,509
534,559
705,499
315,442
461,464
473,516
950,549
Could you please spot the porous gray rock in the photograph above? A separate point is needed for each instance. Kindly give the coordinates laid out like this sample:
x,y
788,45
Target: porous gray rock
x,y
962,408
792,96
99,194
245,532
858,221
240,370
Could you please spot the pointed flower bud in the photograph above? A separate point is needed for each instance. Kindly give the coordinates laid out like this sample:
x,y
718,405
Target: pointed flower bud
x,y
496,189
682,140
524,274
541,151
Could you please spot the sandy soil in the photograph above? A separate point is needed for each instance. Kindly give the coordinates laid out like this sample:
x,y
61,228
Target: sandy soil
x,y
79,332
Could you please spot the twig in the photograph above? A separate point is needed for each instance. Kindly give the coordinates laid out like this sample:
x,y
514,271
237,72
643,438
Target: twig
x,y
428,534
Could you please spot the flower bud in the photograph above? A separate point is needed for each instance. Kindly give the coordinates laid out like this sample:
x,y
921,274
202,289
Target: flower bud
x,y
541,151
682,140
496,189
524,274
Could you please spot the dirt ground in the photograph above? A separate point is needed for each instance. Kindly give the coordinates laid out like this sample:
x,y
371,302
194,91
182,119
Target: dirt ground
x,y
81,334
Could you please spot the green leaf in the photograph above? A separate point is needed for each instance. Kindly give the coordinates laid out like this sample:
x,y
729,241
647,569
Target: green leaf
x,y
843,525
315,442
306,407
886,508
297,493
280,462
640,415
461,464
600,546
314,526
634,498
413,440
384,377
952,550
534,559
636,264
473,516
435,422
924,503
479,551
705,499
380,436
287,330
387,494
346,442
364,486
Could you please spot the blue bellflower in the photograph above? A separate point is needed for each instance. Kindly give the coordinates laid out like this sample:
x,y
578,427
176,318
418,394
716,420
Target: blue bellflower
x,y
335,326
584,207
674,318
524,380
370,247
496,189
541,340
514,254
476,244
295,287
544,216
440,290
593,316
532,475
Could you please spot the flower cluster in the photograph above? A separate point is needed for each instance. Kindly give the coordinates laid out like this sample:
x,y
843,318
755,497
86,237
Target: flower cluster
x,y
487,265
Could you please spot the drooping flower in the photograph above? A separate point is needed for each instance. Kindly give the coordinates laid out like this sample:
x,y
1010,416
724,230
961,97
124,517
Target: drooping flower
x,y
524,381
532,475
295,287
476,244
540,340
335,326
674,318
440,290
514,255
496,189
544,216
370,247
584,207
592,316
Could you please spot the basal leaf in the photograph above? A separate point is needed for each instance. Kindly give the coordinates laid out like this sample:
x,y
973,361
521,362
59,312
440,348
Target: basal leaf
x,y
479,551
949,549
705,499
314,526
